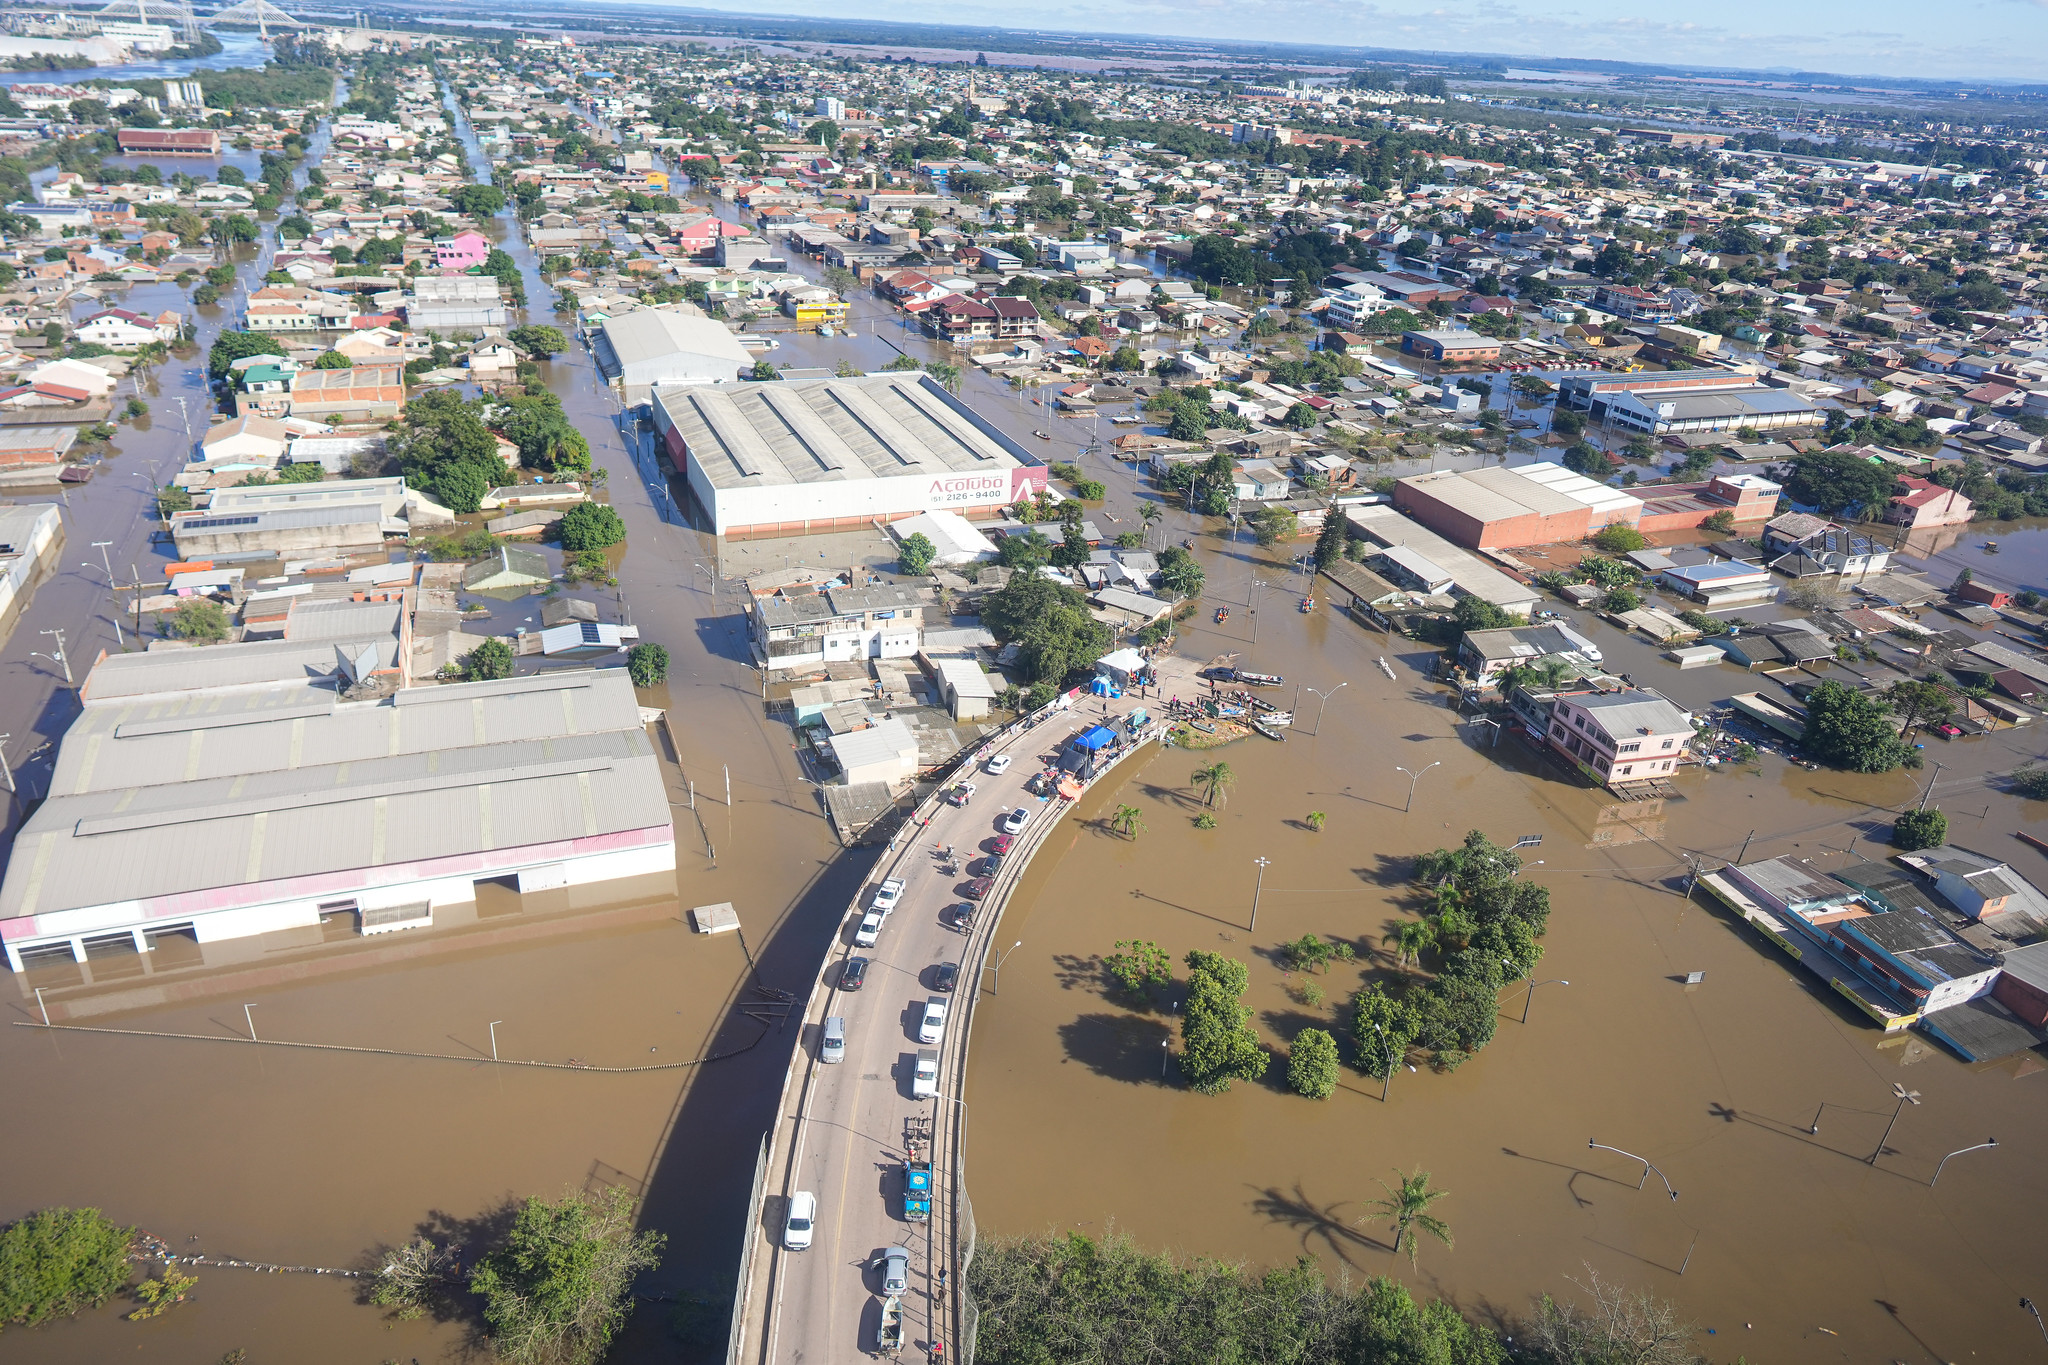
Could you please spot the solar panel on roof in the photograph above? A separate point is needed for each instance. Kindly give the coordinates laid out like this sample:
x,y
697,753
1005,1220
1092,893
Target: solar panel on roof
x,y
591,634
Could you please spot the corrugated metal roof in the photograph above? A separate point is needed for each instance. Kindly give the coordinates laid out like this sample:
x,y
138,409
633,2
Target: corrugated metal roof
x,y
214,791
258,664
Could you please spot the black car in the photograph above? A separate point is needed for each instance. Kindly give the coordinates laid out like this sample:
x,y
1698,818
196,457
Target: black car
x,y
944,975
853,974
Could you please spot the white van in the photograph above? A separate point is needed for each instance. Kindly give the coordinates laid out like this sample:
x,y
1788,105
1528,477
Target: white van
x,y
832,1046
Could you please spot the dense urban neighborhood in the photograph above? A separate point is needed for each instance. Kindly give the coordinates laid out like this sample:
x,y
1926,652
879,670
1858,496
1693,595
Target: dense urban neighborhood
x,y
574,587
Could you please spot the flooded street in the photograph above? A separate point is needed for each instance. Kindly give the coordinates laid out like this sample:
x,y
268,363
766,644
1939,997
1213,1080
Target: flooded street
x,y
1779,1233
316,1157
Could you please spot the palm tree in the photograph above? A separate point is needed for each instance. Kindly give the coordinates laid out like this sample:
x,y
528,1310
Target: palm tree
x,y
1316,819
1149,513
1408,1206
1215,780
1127,821
1414,939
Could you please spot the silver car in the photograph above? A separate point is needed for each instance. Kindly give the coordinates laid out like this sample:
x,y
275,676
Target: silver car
x,y
1016,820
895,1263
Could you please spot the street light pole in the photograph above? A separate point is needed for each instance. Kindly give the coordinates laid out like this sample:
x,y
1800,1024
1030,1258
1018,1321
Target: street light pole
x,y
1988,1142
1322,700
494,1038
1905,1097
62,659
1257,887
2028,1304
1930,787
1647,1167
996,969
119,638
1413,778
1530,998
251,1021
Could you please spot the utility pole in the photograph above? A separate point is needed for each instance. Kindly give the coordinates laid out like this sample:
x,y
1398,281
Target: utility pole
x,y
135,580
1257,887
1930,787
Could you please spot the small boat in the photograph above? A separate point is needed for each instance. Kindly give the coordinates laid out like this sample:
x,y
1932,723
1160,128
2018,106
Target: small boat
x,y
1222,615
1261,679
1041,435
1308,604
1125,421
1270,732
889,1334
1279,720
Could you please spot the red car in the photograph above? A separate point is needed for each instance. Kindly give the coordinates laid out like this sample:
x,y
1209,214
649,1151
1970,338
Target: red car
x,y
979,887
1001,844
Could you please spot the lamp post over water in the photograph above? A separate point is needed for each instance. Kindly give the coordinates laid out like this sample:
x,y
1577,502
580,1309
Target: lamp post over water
x,y
1647,1167
1905,1097
1413,778
1257,887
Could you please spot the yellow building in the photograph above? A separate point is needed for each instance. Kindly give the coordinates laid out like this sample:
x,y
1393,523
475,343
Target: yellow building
x,y
813,312
655,181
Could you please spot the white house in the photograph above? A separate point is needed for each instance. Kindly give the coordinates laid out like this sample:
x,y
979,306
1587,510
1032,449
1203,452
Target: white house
x,y
117,329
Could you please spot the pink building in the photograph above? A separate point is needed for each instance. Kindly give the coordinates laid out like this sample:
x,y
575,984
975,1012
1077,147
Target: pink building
x,y
1619,737
1927,504
453,255
702,235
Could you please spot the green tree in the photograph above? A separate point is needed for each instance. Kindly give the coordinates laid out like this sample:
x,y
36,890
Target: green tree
x,y
1050,624
1413,939
57,1261
1180,573
1312,1064
201,619
1836,480
1618,539
303,472
764,371
1915,829
480,202
591,526
445,450
546,438
1407,1207
560,1288
1217,1042
916,554
2030,782
1316,820
1128,821
228,347
1273,523
1919,703
1214,781
1139,964
647,665
1384,1026
334,360
1331,539
539,340
1849,730
488,662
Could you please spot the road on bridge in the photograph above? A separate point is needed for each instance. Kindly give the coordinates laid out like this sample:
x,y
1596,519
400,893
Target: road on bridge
x,y
842,1127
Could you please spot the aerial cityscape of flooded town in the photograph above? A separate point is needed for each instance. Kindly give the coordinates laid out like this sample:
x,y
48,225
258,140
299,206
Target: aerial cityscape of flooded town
x,y
1432,660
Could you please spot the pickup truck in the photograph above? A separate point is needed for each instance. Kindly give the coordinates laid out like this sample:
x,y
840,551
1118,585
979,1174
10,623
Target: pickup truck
x,y
917,1189
887,894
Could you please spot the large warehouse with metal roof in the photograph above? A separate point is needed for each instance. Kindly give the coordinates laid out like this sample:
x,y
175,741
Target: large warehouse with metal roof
x,y
237,790
797,457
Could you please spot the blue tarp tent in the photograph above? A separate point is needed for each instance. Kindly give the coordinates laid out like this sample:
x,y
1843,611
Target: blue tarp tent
x,y
1103,687
1095,737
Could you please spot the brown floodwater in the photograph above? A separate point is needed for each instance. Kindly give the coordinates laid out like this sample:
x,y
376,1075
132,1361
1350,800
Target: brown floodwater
x,y
1785,1243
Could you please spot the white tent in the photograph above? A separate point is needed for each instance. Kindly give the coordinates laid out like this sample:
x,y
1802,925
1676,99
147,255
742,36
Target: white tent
x,y
951,534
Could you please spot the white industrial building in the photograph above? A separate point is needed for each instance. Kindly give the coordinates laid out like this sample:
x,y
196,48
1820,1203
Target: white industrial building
x,y
29,534
649,346
799,457
219,793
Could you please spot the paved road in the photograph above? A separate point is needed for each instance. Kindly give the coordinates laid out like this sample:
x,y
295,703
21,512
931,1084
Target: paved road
x,y
842,1127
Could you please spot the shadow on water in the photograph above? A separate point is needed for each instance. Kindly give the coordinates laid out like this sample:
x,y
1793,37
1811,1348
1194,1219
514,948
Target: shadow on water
x,y
1318,1224
1121,1047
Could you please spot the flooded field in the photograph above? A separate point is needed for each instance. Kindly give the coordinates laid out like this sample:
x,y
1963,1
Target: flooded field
x,y
1786,1243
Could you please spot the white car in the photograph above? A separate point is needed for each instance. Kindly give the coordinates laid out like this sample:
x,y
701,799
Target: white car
x,y
933,1026
925,1082
888,894
1015,820
999,763
803,1212
870,929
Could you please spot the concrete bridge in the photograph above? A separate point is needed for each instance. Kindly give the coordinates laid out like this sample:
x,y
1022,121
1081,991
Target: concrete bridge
x,y
840,1128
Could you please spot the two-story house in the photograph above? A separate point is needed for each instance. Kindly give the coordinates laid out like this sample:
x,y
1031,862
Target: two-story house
x,y
1627,735
808,629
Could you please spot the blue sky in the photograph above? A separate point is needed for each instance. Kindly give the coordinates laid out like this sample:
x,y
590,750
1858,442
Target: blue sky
x,y
1970,39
